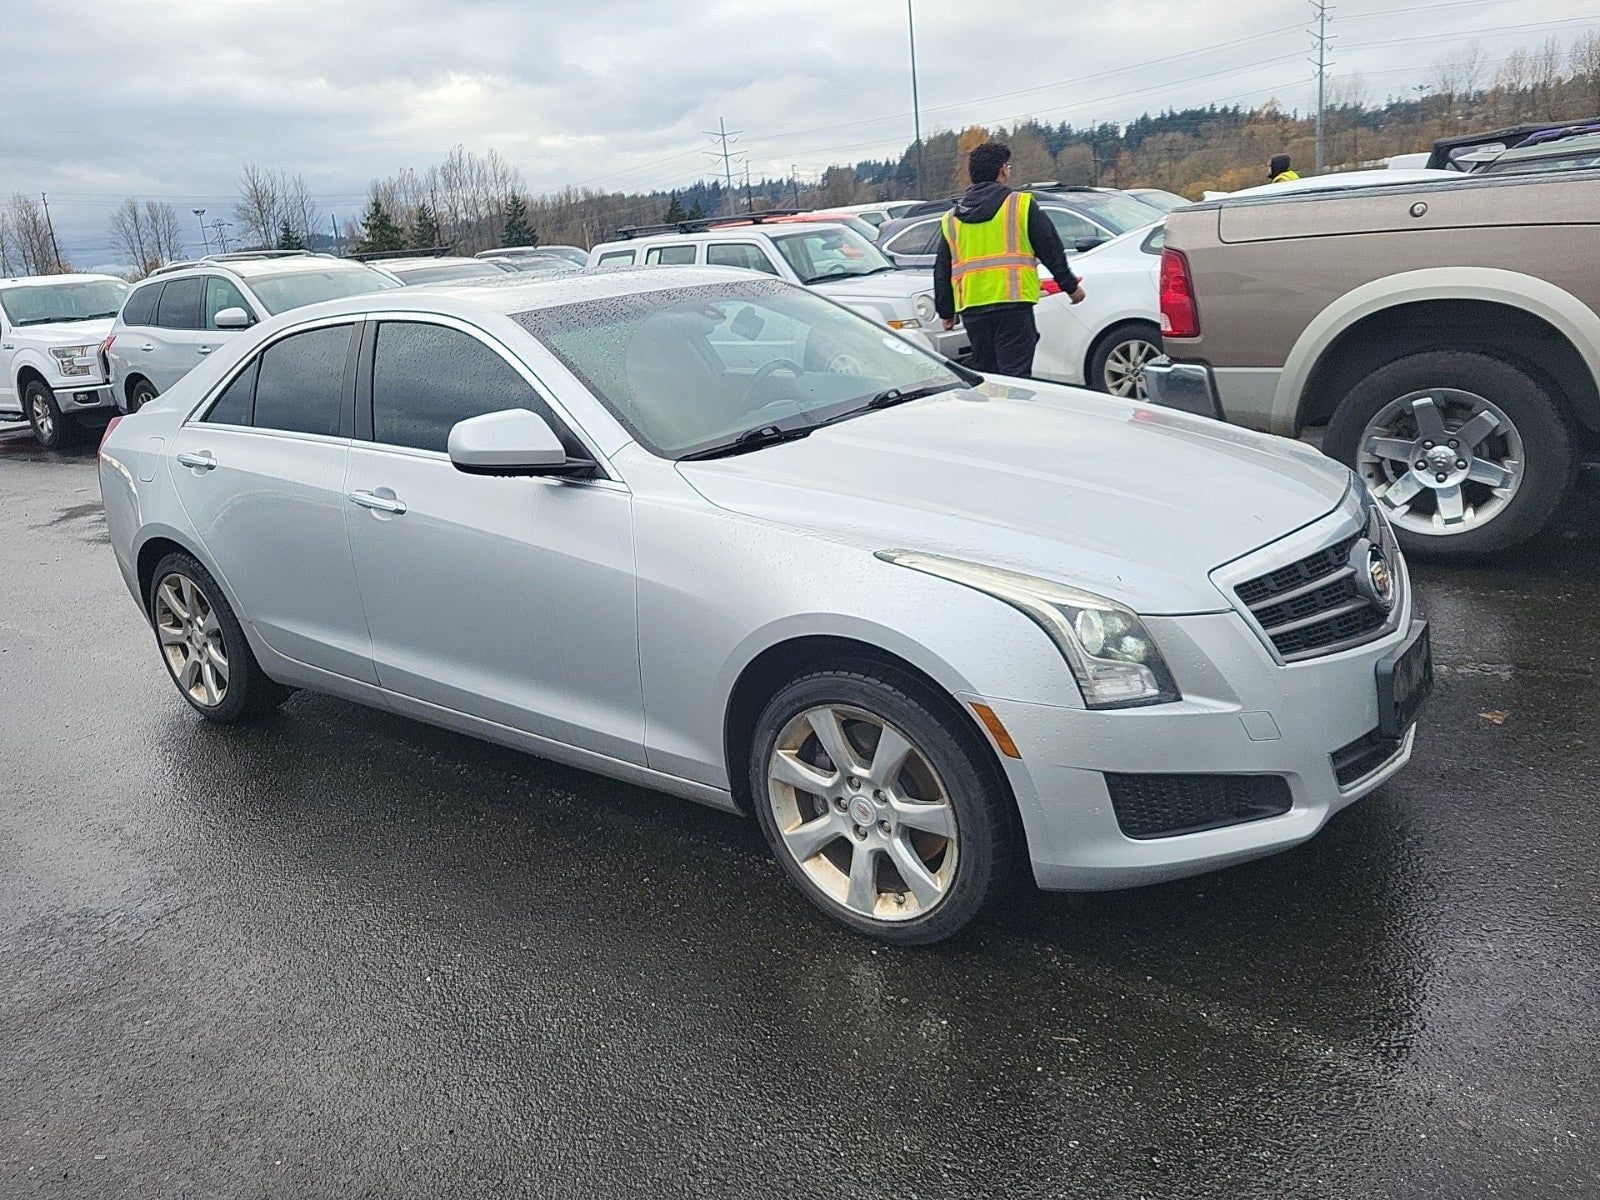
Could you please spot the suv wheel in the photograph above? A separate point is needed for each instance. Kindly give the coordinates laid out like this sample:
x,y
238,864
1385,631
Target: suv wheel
x,y
1118,362
1467,453
140,394
44,415
885,814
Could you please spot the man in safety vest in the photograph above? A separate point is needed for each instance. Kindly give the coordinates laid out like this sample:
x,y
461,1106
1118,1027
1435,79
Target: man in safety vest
x,y
1279,170
987,269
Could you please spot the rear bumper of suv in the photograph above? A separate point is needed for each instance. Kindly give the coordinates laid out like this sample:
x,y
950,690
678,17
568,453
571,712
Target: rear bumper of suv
x,y
1187,387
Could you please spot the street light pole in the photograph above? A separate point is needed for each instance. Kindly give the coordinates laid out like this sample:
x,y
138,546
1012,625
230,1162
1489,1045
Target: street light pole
x,y
916,106
200,215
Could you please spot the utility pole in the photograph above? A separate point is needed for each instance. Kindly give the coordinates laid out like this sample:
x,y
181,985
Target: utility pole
x,y
916,107
794,183
50,225
1320,39
722,134
338,242
200,216
749,201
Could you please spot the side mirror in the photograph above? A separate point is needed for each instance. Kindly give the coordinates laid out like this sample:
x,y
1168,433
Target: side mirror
x,y
513,442
234,318
1089,243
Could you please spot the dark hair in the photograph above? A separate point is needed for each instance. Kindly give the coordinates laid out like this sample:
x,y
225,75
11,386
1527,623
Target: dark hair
x,y
1279,164
985,161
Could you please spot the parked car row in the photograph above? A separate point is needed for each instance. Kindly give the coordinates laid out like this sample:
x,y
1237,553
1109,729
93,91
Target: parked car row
x,y
51,367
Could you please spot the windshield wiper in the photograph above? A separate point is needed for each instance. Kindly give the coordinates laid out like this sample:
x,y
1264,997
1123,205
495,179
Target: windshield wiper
x,y
751,439
890,396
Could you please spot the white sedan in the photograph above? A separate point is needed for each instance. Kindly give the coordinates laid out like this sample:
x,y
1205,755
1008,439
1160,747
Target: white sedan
x,y
715,534
1105,342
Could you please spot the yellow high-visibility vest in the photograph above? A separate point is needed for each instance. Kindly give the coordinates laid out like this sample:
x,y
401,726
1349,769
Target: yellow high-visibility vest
x,y
992,262
1285,176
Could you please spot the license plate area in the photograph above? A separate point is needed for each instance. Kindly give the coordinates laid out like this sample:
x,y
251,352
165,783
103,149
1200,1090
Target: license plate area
x,y
1405,679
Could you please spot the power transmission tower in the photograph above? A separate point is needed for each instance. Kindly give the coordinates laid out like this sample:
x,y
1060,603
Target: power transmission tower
x,y
1320,40
916,106
726,137
51,226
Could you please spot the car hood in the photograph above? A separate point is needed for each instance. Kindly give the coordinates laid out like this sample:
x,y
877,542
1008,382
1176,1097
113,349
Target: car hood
x,y
887,285
67,333
1135,503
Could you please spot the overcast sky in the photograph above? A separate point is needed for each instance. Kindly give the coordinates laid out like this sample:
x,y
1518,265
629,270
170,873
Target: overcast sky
x,y
166,98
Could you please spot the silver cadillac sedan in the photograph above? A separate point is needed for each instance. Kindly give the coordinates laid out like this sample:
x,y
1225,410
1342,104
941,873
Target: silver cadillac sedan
x,y
713,534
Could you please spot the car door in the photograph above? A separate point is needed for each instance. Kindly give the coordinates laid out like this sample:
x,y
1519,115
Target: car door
x,y
10,402
260,472
509,599
170,350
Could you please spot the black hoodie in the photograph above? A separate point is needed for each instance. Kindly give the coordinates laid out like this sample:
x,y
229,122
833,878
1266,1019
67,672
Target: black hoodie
x,y
979,203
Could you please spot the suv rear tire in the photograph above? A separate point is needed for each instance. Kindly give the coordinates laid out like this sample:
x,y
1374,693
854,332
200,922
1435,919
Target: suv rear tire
x,y
1381,431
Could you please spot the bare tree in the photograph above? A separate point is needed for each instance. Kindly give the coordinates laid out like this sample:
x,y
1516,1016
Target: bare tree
x,y
1458,75
146,236
1586,69
1511,85
260,204
5,242
1545,77
30,244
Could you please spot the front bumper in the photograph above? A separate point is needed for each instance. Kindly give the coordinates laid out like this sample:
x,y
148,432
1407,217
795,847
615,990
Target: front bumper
x,y
1184,386
77,396
951,343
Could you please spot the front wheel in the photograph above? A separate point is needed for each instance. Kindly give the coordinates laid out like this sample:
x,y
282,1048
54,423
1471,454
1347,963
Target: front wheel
x,y
204,648
1118,362
44,415
140,394
884,812
1467,453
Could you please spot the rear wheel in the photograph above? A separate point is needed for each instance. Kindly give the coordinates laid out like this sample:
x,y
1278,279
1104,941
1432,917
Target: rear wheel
x,y
1467,453
886,814
204,648
1119,359
50,428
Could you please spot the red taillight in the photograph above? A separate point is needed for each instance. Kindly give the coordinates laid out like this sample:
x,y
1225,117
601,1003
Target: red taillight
x,y
1180,318
1049,287
105,346
110,425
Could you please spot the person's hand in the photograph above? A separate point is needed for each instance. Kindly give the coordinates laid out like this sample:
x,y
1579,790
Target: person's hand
x,y
949,323
1077,293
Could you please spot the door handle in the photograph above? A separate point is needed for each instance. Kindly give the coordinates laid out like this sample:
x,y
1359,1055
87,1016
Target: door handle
x,y
206,349
201,462
384,504
148,347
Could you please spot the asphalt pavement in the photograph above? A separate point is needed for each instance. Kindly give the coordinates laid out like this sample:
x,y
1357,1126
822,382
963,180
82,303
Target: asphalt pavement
x,y
342,954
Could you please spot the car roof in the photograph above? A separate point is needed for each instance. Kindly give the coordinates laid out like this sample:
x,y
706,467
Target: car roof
x,y
518,251
256,268
721,232
399,265
47,280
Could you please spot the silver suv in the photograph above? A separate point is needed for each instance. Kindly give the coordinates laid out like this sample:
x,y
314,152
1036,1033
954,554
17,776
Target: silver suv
x,y
171,321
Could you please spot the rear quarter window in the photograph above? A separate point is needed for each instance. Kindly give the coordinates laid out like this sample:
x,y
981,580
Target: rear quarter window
x,y
140,306
615,258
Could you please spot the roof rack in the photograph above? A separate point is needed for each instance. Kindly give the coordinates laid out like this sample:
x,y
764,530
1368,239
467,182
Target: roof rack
x,y
423,252
1055,185
237,256
701,224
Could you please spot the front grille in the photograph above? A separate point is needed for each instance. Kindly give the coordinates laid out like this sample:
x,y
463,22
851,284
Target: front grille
x,y
1363,756
1313,606
1153,806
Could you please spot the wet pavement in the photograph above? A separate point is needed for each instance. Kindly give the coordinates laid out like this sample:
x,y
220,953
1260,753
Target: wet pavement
x,y
342,954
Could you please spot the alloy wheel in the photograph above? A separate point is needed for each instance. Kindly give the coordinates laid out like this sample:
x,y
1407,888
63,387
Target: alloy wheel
x,y
1124,369
191,640
1441,461
43,421
863,812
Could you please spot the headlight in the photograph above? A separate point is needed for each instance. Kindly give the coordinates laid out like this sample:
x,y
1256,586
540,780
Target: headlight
x,y
64,356
924,308
1111,654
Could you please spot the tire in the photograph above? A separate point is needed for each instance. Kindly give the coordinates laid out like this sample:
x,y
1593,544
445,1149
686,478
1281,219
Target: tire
x,y
246,692
140,393
858,818
51,429
1131,344
1438,509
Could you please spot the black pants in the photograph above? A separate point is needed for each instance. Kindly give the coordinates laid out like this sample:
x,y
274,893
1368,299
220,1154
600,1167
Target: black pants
x,y
1003,338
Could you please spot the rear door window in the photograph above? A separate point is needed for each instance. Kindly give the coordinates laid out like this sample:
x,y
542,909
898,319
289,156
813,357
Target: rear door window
x,y
301,383
739,254
669,256
918,239
179,306
234,406
1071,226
140,308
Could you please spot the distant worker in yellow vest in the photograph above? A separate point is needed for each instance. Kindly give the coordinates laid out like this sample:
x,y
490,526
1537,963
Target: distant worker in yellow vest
x,y
987,269
1279,170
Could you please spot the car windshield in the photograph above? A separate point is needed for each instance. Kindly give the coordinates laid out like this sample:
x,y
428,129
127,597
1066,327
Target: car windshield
x,y
1577,155
410,276
830,252
1116,211
1164,201
86,300
280,293
689,371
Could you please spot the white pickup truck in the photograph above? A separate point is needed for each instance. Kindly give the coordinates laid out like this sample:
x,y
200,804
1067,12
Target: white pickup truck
x,y
51,368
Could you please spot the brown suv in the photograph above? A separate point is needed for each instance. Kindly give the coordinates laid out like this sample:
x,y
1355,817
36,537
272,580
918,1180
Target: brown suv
x,y
1444,330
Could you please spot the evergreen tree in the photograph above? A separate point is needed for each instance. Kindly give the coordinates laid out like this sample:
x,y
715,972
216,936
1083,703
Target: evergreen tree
x,y
425,229
675,211
288,239
378,231
517,231
696,213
